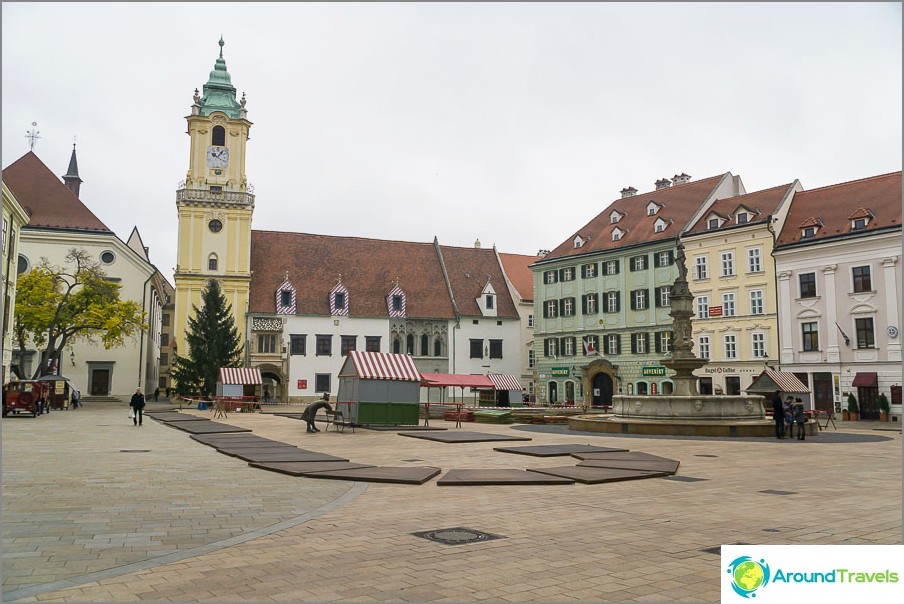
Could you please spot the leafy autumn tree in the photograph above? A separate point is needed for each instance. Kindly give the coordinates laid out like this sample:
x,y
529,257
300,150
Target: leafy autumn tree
x,y
56,306
213,342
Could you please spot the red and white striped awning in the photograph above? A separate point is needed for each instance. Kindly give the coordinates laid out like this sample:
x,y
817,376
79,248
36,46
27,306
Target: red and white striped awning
x,y
240,375
505,382
770,381
384,366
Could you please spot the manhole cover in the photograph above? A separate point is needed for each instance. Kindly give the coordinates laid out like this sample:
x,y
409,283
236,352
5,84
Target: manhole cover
x,y
718,549
774,492
456,536
684,478
134,450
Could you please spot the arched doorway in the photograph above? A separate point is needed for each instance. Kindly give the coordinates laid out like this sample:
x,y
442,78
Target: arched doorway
x,y
553,395
602,390
273,383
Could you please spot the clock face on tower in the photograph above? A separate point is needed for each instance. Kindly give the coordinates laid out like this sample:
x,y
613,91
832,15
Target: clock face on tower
x,y
217,157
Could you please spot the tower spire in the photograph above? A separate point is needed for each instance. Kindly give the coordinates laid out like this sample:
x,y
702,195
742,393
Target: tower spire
x,y
71,178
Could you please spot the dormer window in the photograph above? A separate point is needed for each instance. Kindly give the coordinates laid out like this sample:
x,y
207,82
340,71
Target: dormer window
x,y
742,217
396,303
714,223
490,301
659,225
615,216
286,298
859,224
617,234
578,242
808,232
339,300
487,300
653,208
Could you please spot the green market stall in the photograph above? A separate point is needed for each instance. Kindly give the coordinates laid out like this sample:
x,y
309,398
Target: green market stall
x,y
379,389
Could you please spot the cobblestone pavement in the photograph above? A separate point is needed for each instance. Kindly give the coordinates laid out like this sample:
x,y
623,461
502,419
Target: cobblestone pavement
x,y
95,509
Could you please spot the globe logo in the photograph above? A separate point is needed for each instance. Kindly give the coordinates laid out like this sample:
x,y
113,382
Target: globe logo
x,y
748,575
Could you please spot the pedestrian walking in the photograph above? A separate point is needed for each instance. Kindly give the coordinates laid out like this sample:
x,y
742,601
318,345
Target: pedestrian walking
x,y
310,413
800,418
156,394
266,394
76,400
137,405
778,414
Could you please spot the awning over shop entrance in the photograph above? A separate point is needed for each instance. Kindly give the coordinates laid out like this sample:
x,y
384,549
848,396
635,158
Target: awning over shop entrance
x,y
866,379
505,382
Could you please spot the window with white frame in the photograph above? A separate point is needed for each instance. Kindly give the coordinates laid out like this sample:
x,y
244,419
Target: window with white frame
x,y
639,343
662,296
714,223
728,264
568,274
610,267
550,277
664,258
702,307
552,347
590,271
664,342
759,345
728,305
612,302
703,347
568,307
569,347
592,304
613,344
754,262
531,358
731,346
616,234
530,320
809,336
639,263
701,271
552,309
741,217
756,302
639,299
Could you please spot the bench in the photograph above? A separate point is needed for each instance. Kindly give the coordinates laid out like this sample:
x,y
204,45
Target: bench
x,y
337,420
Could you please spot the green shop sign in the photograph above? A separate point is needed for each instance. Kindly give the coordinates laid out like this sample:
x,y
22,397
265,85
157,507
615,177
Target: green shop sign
x,y
652,371
561,372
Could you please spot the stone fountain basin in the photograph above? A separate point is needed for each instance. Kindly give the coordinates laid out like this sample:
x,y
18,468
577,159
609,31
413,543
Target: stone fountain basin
x,y
693,408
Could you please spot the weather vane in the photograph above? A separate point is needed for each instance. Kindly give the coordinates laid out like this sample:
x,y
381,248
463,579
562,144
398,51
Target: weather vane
x,y
32,135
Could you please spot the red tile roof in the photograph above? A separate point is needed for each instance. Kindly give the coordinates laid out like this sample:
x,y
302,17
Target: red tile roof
x,y
369,269
517,268
48,201
679,203
833,206
469,269
761,204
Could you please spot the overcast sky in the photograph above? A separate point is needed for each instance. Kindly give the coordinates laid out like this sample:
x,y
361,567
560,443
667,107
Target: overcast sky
x,y
510,123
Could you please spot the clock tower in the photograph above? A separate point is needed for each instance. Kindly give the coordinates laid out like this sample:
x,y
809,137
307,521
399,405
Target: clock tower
x,y
214,204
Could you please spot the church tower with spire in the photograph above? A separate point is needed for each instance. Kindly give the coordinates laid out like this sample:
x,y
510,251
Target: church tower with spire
x,y
214,204
71,177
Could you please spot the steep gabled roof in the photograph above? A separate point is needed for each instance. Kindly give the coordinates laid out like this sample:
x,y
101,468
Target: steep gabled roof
x,y
469,269
369,269
766,202
517,269
679,203
833,205
48,201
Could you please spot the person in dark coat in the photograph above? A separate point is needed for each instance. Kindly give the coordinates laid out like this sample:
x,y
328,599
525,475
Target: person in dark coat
x,y
800,419
310,413
137,405
778,414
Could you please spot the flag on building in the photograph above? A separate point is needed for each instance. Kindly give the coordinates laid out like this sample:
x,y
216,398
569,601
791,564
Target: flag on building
x,y
589,348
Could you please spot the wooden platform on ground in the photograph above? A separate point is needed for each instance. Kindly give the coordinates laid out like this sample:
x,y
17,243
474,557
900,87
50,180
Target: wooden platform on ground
x,y
462,437
588,475
303,468
498,477
394,474
555,450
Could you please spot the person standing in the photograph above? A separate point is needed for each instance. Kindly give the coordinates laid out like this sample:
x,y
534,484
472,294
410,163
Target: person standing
x,y
789,416
137,405
76,401
800,418
778,414
310,413
156,394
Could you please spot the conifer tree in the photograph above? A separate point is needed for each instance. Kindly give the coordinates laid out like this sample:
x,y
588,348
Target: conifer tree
x,y
213,342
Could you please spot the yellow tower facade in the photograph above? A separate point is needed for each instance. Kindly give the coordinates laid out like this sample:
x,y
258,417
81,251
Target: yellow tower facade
x,y
215,204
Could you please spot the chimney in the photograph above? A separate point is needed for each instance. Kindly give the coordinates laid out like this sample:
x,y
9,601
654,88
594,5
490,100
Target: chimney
x,y
680,179
628,192
542,253
71,177
663,183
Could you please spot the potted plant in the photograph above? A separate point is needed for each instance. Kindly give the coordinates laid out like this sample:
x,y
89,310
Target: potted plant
x,y
852,408
845,414
883,407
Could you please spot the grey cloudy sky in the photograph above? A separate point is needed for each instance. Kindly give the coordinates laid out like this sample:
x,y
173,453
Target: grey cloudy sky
x,y
514,123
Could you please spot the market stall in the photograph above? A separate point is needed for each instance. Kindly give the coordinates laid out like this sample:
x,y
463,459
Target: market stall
x,y
379,388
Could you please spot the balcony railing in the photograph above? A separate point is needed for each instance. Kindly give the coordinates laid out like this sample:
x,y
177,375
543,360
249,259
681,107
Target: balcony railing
x,y
218,197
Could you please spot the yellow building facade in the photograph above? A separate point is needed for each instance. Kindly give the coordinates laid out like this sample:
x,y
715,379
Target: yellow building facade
x,y
731,273
215,205
14,218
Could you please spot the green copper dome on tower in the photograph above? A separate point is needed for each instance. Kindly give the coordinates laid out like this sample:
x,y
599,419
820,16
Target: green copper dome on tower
x,y
219,93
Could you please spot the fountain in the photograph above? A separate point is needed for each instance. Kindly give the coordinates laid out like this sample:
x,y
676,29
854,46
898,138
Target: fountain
x,y
685,411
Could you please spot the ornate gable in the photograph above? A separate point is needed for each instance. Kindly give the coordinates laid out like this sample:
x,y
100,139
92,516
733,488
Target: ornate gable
x,y
286,298
339,302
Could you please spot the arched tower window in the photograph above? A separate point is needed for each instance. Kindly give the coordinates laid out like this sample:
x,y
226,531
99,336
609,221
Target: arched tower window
x,y
212,262
425,345
218,136
437,348
409,344
396,346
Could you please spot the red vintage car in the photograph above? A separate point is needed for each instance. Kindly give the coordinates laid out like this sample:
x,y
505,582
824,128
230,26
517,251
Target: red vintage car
x,y
25,396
